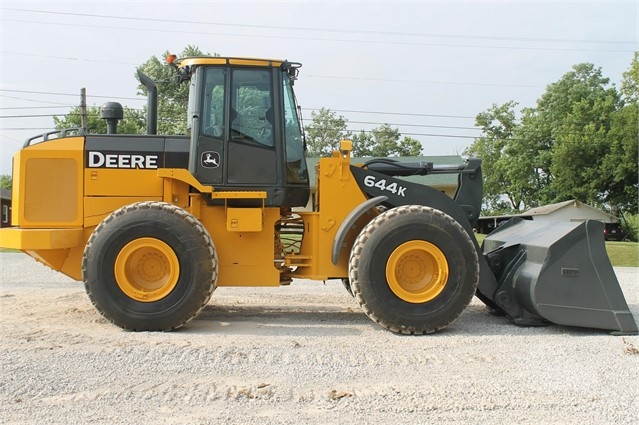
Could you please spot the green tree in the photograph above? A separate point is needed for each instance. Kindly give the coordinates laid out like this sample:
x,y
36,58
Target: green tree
x,y
327,128
559,147
172,102
580,141
581,147
6,181
325,132
384,141
630,82
498,125
363,144
409,147
173,96
620,164
133,122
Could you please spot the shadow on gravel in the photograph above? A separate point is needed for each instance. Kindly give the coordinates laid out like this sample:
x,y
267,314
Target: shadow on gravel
x,y
288,321
334,320
264,320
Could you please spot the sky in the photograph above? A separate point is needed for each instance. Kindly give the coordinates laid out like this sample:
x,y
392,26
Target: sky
x,y
425,67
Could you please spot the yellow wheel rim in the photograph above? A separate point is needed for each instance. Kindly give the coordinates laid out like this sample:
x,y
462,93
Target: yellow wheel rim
x,y
147,269
417,271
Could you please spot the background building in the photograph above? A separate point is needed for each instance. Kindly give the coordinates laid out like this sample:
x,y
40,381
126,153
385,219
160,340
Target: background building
x,y
572,210
5,207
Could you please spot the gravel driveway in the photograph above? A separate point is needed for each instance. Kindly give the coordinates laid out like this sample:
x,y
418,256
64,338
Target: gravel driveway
x,y
299,354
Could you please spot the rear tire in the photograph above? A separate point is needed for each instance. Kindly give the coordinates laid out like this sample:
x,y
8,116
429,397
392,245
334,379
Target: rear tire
x,y
413,269
150,266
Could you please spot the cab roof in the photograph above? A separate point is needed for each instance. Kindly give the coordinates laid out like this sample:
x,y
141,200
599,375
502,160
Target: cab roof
x,y
210,60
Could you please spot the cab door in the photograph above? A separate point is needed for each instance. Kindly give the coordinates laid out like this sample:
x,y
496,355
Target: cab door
x,y
252,158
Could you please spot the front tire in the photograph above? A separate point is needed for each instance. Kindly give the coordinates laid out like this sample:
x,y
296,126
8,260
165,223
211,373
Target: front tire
x,y
413,269
150,266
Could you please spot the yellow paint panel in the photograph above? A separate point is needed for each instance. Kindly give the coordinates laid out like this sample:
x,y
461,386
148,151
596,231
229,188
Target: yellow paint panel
x,y
183,176
32,239
72,267
67,260
244,219
16,190
54,258
59,148
244,258
239,195
176,192
120,182
200,61
47,184
51,190
255,62
338,195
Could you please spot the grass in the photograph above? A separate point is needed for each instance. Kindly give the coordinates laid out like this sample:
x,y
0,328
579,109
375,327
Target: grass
x,y
623,254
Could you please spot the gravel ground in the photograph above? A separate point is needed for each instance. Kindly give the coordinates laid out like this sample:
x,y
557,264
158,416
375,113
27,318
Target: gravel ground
x,y
299,354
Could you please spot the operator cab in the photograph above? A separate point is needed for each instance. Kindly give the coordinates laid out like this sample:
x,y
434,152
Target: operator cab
x,y
245,128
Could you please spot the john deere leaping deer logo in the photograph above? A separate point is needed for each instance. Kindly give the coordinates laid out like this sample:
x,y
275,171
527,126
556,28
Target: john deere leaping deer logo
x,y
210,159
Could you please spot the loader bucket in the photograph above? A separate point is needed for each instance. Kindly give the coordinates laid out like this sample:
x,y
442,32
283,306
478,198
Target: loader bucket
x,y
556,272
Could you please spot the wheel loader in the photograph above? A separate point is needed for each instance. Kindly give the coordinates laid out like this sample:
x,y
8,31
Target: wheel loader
x,y
152,224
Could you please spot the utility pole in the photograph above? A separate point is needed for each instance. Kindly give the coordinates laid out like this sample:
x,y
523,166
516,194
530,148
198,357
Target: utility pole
x,y
83,109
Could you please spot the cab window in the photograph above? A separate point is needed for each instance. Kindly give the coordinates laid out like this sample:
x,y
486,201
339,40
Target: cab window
x,y
213,110
251,113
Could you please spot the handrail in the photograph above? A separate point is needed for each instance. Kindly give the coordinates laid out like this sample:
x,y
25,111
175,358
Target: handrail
x,y
46,136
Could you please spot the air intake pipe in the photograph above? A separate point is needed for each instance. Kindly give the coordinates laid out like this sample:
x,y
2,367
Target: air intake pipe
x,y
151,103
112,112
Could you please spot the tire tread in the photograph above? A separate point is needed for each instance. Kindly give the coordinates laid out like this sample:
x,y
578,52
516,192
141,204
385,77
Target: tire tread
x,y
356,255
105,226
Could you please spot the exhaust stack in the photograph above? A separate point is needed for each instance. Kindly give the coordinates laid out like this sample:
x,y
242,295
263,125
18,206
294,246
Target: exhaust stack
x,y
151,103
